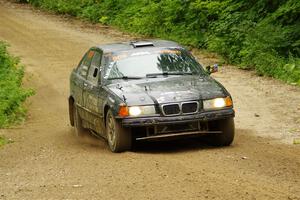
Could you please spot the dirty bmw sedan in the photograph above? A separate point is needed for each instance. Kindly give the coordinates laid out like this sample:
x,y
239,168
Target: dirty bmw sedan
x,y
148,90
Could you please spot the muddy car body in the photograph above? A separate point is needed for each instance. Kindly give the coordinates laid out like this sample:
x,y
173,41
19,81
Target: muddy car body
x,y
147,90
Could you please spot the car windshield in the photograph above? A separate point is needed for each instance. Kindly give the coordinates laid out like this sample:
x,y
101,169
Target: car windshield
x,y
153,63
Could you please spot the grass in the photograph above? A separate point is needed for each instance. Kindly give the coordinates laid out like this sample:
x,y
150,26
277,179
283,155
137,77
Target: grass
x,y
12,94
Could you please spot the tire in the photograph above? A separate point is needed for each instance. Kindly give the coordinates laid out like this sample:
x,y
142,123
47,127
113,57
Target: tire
x,y
118,138
71,110
226,137
79,130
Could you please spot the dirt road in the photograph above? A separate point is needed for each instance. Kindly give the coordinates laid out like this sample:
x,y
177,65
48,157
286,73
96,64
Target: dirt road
x,y
46,161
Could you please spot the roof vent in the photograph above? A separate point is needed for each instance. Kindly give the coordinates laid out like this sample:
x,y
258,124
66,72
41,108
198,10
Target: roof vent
x,y
137,44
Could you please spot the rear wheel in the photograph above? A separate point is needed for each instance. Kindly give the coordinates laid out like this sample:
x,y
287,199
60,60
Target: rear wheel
x,y
79,130
226,137
119,138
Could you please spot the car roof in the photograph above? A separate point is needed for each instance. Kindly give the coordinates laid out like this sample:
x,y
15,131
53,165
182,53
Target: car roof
x,y
137,45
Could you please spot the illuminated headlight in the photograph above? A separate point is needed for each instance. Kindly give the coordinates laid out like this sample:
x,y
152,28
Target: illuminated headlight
x,y
217,103
141,110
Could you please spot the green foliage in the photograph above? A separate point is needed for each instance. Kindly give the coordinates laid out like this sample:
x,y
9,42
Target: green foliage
x,y
263,35
12,95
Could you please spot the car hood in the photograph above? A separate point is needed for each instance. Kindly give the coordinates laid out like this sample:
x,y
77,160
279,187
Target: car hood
x,y
166,90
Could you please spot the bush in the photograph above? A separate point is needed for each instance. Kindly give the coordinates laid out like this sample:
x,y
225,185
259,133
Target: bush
x,y
12,95
263,35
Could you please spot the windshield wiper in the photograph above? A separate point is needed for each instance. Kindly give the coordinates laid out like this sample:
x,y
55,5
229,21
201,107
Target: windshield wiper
x,y
154,75
125,77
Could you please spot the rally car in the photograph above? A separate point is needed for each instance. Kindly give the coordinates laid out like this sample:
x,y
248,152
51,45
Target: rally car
x,y
148,90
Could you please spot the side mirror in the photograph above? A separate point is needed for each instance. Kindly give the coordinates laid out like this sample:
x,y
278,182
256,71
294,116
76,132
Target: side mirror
x,y
212,69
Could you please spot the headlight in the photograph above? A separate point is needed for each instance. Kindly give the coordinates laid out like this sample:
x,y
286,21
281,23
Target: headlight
x,y
135,111
141,110
217,103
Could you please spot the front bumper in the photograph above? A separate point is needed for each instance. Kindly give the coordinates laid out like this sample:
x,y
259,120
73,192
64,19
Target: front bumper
x,y
161,120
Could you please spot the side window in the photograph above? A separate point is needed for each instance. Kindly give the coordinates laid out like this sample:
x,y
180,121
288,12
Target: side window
x,y
106,60
94,71
85,63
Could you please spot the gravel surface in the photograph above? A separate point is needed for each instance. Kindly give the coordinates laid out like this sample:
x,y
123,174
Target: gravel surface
x,y
46,161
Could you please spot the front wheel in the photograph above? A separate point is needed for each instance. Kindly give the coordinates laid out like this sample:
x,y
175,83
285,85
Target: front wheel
x,y
119,138
226,137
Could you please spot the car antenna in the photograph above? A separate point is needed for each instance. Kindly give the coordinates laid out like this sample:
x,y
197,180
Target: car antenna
x,y
124,98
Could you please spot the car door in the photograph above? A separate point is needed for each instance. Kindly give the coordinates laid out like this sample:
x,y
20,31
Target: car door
x,y
79,80
92,93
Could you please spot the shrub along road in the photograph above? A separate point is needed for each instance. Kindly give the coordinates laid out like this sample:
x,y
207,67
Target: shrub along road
x,y
47,162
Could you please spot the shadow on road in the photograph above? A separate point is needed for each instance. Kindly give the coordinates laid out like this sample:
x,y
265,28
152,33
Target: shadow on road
x,y
243,137
173,146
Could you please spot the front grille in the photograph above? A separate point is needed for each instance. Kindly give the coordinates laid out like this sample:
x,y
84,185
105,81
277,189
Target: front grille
x,y
180,108
190,107
171,109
